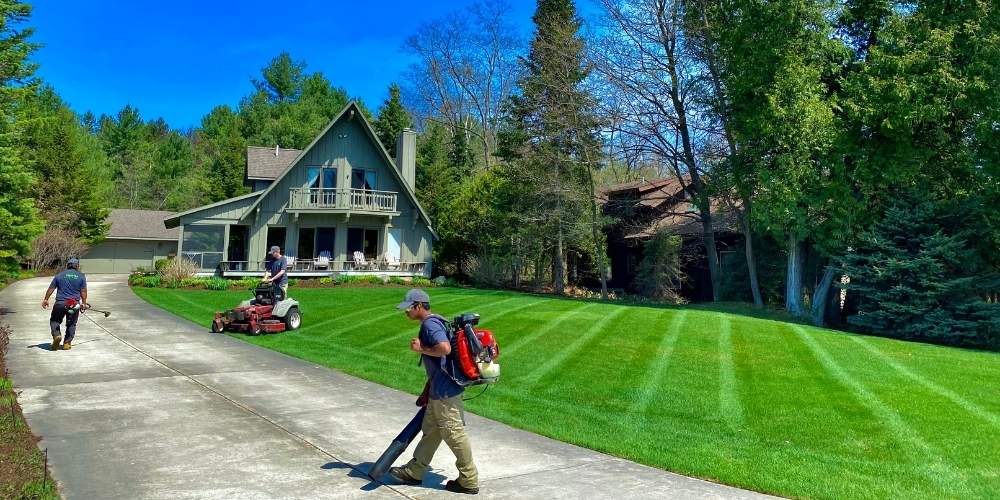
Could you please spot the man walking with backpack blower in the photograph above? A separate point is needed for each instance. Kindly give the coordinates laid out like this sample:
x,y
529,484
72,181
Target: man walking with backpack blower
x,y
71,299
444,419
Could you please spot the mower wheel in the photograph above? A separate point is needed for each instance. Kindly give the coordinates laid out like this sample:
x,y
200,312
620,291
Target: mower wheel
x,y
217,326
293,319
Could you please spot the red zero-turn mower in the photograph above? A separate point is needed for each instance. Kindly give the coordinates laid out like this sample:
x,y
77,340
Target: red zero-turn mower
x,y
267,312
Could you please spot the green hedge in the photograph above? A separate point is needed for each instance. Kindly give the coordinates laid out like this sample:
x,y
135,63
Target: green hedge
x,y
146,280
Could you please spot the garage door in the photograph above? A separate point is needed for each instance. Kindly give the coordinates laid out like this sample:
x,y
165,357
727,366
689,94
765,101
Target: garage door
x,y
118,256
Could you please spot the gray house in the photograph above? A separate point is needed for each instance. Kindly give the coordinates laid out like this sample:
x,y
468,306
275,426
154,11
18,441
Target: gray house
x,y
341,205
136,238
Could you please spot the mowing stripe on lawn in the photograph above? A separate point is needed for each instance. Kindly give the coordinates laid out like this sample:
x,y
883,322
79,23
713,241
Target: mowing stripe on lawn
x,y
729,398
203,307
451,298
355,327
936,467
660,361
565,353
501,314
549,326
942,391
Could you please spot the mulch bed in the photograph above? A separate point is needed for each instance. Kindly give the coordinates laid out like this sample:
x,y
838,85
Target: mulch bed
x,y
22,465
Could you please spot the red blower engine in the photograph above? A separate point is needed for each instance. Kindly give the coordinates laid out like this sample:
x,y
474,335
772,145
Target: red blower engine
x,y
474,352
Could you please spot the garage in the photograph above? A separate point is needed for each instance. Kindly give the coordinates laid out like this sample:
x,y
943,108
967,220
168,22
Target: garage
x,y
136,238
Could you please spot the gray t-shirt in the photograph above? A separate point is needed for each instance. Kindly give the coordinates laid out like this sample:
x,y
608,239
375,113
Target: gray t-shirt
x,y
433,331
69,283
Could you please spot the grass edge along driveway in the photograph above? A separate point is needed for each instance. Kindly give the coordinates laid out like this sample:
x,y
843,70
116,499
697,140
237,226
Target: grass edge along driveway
x,y
760,404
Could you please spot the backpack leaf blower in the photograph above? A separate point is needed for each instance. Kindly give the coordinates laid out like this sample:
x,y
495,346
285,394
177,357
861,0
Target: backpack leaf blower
x,y
398,446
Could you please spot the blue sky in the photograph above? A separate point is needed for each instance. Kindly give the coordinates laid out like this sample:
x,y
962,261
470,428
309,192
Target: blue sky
x,y
178,59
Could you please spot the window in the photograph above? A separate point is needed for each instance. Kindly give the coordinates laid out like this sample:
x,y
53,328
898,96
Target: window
x,y
329,178
324,241
307,240
238,240
363,179
204,244
324,181
362,240
275,237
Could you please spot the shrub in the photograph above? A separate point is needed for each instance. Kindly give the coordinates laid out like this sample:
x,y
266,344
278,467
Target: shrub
x,y
293,282
396,280
217,283
325,281
144,281
919,277
246,283
192,282
179,269
54,247
160,264
421,282
660,274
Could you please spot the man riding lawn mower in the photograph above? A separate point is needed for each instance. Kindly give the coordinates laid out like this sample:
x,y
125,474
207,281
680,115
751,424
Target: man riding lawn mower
x,y
268,312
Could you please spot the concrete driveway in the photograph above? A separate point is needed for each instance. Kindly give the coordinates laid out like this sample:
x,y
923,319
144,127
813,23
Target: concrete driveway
x,y
147,405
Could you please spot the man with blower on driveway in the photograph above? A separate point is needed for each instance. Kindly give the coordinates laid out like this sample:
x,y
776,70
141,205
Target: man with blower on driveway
x,y
70,300
444,419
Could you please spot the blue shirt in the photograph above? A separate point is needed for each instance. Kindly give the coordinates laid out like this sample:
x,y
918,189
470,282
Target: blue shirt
x,y
69,283
280,264
433,331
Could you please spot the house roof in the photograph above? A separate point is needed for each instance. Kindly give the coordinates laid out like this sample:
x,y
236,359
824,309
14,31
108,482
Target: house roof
x,y
355,112
173,220
267,163
647,193
140,224
683,219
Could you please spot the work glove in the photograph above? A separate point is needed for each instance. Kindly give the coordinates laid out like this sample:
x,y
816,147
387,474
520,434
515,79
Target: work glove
x,y
425,395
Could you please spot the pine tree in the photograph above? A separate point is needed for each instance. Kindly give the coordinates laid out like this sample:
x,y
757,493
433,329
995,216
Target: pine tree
x,y
918,278
19,220
392,119
69,191
551,140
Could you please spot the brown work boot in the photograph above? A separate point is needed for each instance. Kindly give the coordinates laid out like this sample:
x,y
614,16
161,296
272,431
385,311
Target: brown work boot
x,y
66,346
400,474
56,339
454,487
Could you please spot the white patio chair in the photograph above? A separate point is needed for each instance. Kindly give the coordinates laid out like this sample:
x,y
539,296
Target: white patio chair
x,y
323,261
391,262
360,262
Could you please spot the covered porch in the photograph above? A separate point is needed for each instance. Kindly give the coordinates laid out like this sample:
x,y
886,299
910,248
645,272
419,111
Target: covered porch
x,y
315,245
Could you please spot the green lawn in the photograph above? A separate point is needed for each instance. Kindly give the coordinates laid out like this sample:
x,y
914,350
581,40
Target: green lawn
x,y
761,404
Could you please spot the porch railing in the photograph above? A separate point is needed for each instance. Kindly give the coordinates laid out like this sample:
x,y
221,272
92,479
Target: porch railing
x,y
310,265
342,199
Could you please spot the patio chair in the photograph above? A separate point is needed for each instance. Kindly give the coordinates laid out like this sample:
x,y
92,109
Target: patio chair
x,y
323,261
391,262
360,262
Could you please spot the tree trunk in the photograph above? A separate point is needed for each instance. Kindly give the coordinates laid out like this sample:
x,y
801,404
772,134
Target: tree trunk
x,y
758,300
558,265
539,269
793,277
711,252
821,295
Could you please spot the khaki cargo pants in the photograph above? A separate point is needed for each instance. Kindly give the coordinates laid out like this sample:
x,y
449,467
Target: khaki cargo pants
x,y
444,422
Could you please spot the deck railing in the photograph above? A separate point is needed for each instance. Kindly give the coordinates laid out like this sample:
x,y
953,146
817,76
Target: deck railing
x,y
342,199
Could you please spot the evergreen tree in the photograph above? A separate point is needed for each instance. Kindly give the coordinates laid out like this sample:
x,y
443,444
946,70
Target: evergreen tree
x,y
224,151
392,119
19,220
60,151
918,278
551,140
